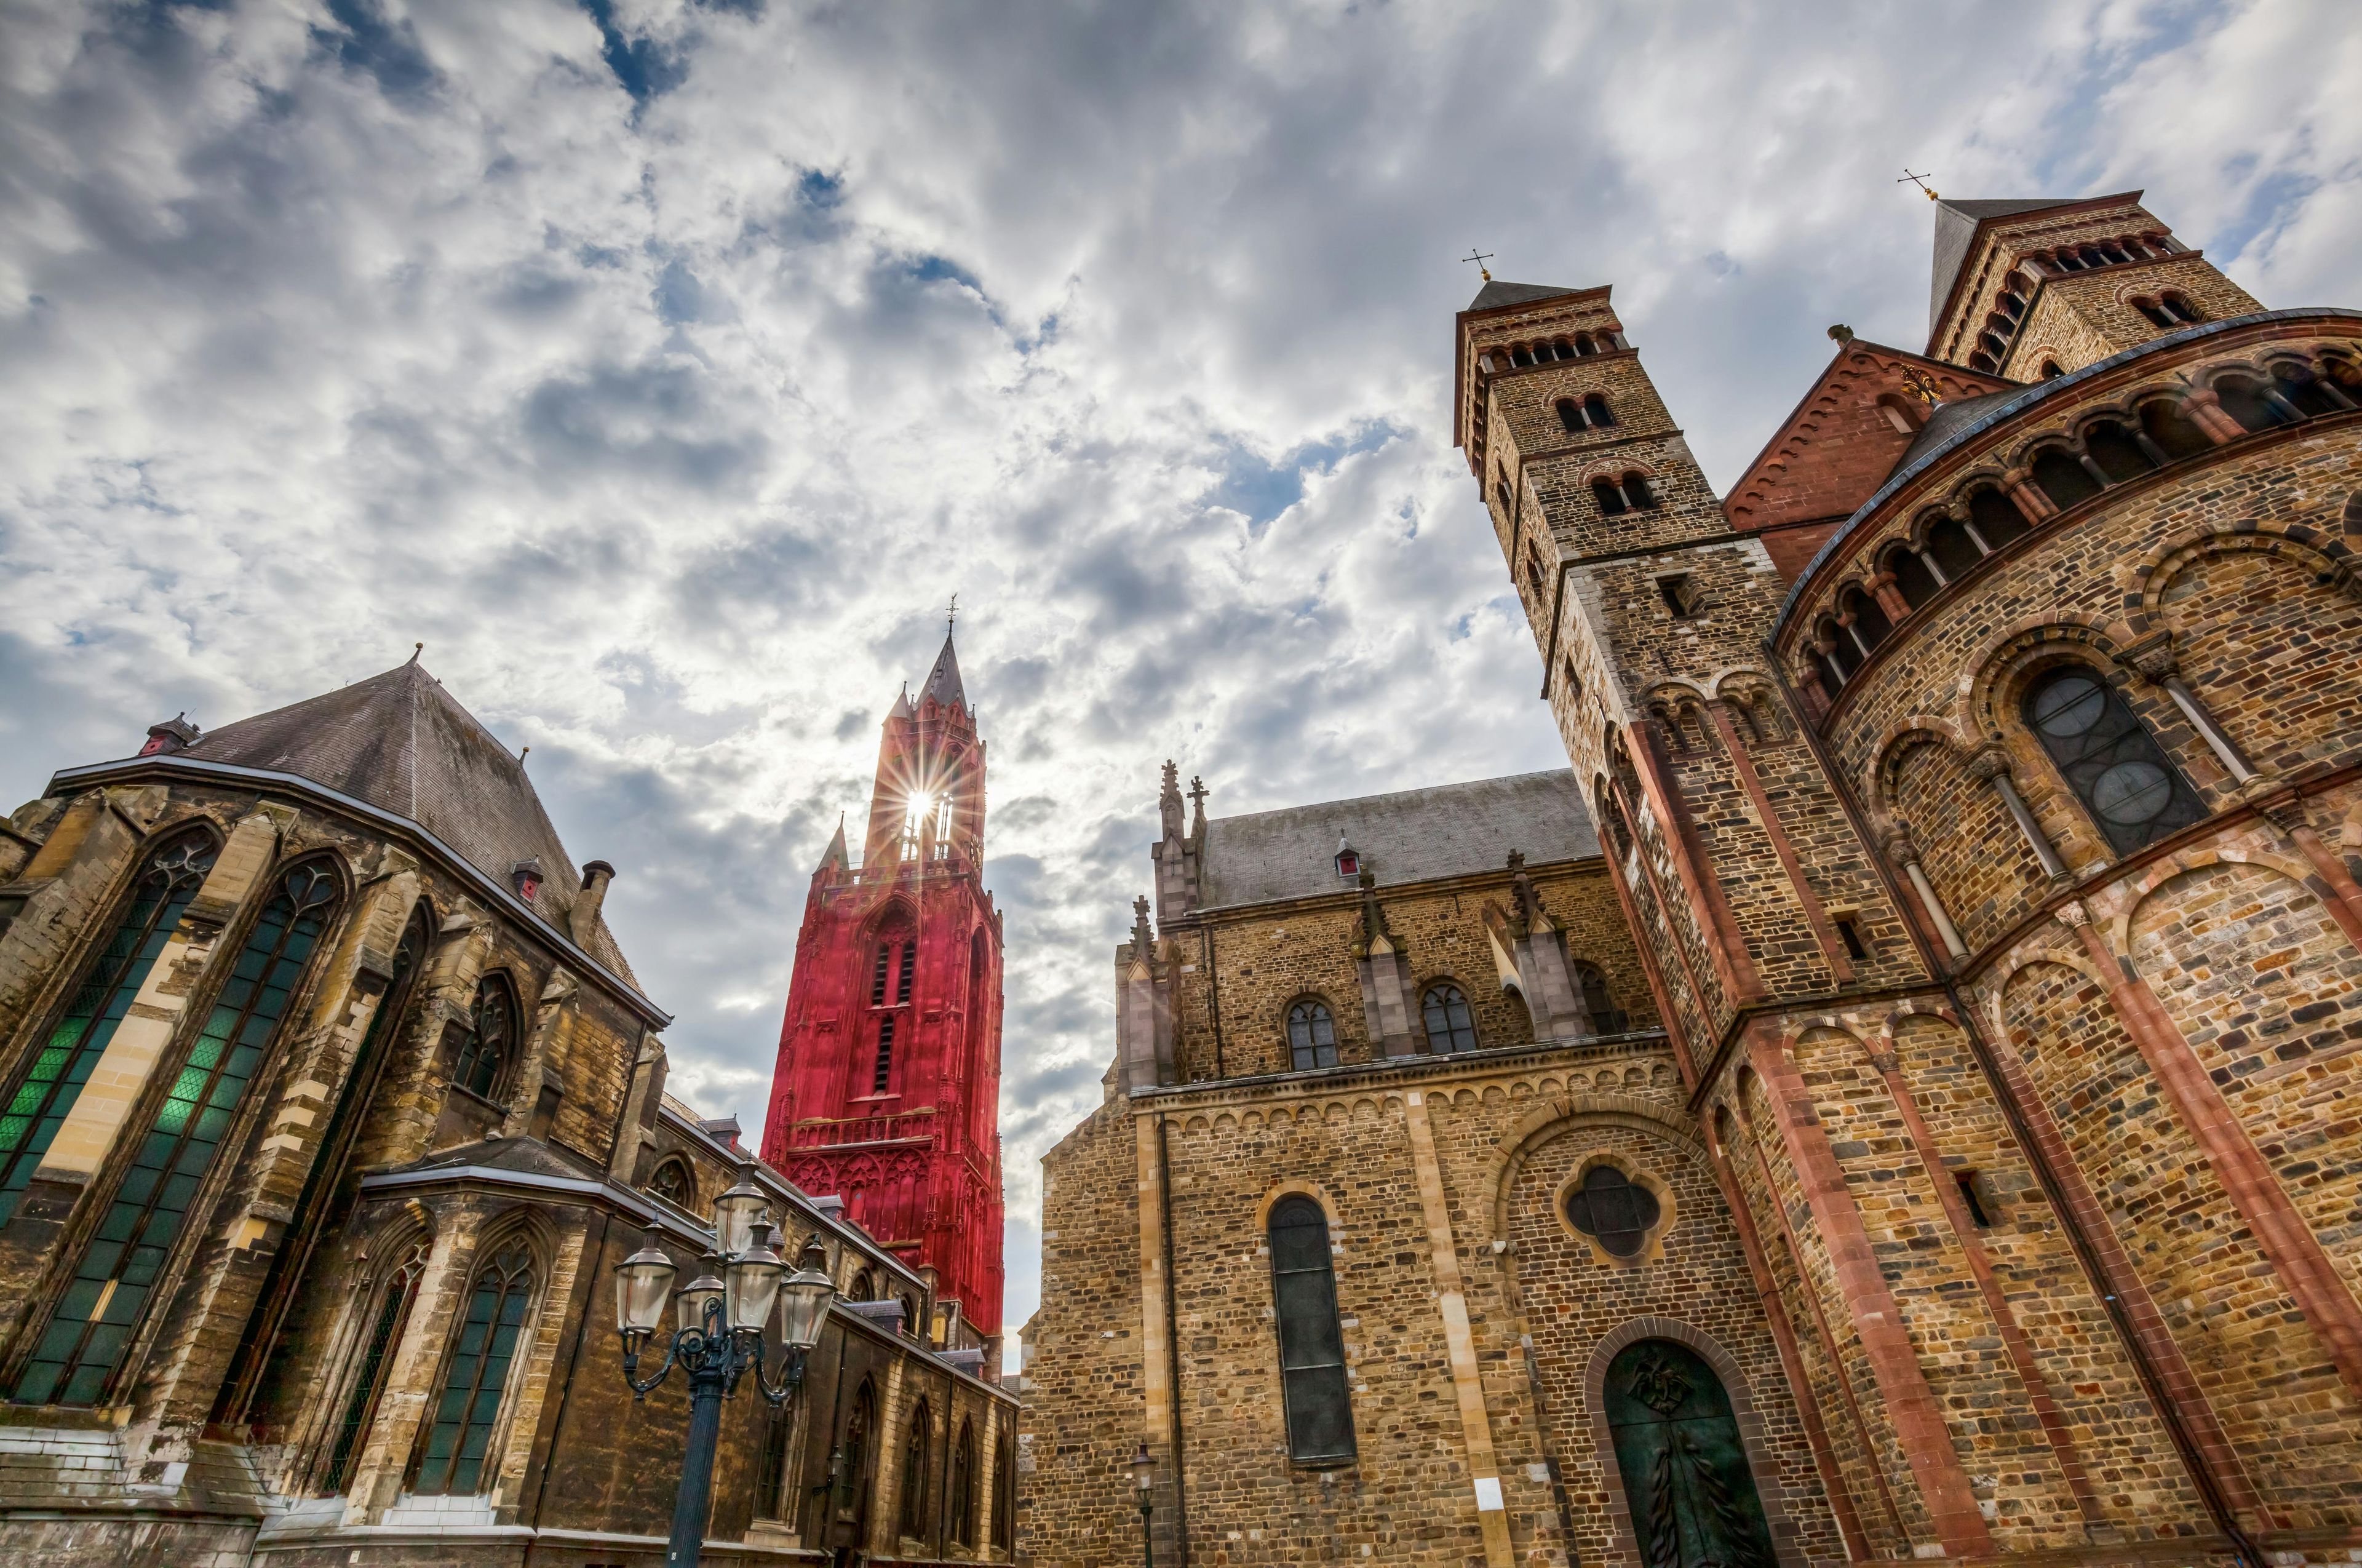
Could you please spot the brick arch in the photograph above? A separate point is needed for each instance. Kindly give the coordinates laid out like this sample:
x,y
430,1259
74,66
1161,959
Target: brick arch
x,y
1545,1121
1917,1007
2147,580
2004,659
1997,981
2198,859
1751,1434
1900,736
1612,473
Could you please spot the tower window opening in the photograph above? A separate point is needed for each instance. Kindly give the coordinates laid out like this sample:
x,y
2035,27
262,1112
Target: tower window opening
x,y
1570,415
1585,346
1850,934
1978,1214
1595,410
1680,595
1521,355
2051,370
1637,491
2178,307
902,979
877,974
1610,497
1561,349
882,1074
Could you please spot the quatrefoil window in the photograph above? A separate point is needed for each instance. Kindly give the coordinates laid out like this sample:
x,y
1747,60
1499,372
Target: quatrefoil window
x,y
1614,1210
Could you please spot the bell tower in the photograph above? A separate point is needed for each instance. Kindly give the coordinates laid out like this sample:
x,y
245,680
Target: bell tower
x,y
888,1087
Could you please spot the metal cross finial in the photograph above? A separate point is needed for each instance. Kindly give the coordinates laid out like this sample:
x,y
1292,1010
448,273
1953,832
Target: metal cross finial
x,y
1918,180
951,617
1480,258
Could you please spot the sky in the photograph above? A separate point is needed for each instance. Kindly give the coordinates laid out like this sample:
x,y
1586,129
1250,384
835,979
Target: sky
x,y
666,365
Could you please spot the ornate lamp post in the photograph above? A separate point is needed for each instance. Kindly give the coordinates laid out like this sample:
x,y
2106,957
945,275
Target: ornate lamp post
x,y
722,1315
1143,1473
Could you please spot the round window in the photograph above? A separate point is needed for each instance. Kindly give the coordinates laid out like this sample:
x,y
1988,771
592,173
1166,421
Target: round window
x,y
1612,1210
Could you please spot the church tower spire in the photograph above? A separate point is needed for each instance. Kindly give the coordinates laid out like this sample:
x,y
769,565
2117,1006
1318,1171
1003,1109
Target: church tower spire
x,y
887,1091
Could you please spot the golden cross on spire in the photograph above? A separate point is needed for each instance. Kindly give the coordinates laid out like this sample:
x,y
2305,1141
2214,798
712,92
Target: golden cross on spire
x,y
1918,180
1480,258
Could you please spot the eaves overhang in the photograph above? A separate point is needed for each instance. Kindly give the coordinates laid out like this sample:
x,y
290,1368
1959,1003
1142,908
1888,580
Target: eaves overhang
x,y
1839,543
169,766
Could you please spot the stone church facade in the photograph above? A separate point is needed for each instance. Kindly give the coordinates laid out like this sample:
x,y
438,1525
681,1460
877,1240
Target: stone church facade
x,y
331,1108
1963,820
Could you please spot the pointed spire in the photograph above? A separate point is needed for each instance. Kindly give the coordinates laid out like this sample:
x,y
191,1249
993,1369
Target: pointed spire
x,y
1143,943
1168,800
835,854
943,683
902,709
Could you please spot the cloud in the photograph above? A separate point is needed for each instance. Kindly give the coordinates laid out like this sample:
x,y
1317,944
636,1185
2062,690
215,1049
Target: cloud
x,y
665,366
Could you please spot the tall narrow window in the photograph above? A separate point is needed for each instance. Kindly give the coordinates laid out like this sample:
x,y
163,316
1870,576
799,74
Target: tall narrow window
x,y
52,1079
902,978
393,1303
1606,1016
963,1491
79,1349
1004,1497
1311,1035
1595,410
1570,415
1610,497
878,976
1450,1025
484,1053
770,1473
1637,493
883,1073
461,1432
2107,756
914,1521
1311,1344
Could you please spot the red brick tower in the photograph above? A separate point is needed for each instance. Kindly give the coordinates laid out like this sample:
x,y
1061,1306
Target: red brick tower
x,y
887,1089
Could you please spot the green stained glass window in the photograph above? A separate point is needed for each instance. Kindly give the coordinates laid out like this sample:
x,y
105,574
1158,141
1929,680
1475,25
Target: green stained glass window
x,y
369,1382
48,1083
453,1458
77,1353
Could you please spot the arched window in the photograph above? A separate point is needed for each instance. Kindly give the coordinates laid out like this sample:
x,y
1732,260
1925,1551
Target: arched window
x,y
673,1182
911,1318
1595,411
2052,370
913,1519
1683,1460
962,1487
849,1499
77,1353
1606,1016
1637,491
2310,396
1911,578
2117,451
49,1080
862,1288
1870,622
2063,479
484,1062
385,1323
459,1432
1501,495
1843,654
2176,434
1951,547
1561,349
1583,345
1998,521
2155,312
1450,1025
2244,401
1614,1210
2127,784
1610,497
771,1469
1570,415
1311,1035
1004,1497
2180,310
1521,355
1311,1345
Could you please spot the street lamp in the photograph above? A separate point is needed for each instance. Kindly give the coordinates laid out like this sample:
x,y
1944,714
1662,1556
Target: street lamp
x,y
722,1315
1143,1473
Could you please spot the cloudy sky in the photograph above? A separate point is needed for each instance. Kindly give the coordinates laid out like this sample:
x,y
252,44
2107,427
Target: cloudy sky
x,y
665,367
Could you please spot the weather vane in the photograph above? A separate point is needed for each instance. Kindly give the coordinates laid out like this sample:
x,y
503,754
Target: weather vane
x,y
951,616
1480,258
1922,386
1918,180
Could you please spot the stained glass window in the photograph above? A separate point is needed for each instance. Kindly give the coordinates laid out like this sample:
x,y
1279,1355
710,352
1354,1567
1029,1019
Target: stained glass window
x,y
1311,1035
2129,786
51,1080
461,1432
485,1052
1614,1210
393,1303
1311,1344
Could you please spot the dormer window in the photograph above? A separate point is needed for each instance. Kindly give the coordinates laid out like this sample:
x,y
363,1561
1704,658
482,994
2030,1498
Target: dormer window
x,y
1348,860
525,878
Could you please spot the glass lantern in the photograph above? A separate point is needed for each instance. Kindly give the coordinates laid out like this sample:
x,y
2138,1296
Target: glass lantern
x,y
751,1281
805,1296
737,1211
706,1287
643,1281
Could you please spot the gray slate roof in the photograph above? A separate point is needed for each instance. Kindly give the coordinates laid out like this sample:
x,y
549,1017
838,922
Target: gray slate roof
x,y
1946,418
942,681
403,744
1452,830
1955,228
1493,295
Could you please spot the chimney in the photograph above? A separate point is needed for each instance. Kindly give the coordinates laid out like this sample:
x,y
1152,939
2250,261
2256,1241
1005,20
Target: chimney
x,y
173,734
583,919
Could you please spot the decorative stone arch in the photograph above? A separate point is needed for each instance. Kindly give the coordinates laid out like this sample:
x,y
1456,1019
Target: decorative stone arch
x,y
1547,1120
1797,1028
2183,862
2018,959
1652,1249
1614,473
2146,579
1911,730
1623,1535
1296,1186
1917,1007
2008,657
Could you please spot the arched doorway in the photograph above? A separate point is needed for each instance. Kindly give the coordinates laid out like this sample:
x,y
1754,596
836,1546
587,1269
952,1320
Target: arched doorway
x,y
1686,1473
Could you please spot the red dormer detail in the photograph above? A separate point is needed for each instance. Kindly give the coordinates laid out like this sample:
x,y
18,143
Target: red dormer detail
x,y
887,1087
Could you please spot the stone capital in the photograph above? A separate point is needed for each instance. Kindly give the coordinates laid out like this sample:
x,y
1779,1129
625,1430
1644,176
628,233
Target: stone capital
x,y
2153,656
2073,913
1899,846
1990,763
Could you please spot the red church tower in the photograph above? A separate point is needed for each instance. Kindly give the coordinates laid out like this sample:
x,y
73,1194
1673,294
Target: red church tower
x,y
887,1089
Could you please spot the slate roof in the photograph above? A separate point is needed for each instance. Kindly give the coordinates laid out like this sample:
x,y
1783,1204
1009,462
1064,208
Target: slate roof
x,y
1946,419
1956,230
942,681
1416,835
399,741
1494,294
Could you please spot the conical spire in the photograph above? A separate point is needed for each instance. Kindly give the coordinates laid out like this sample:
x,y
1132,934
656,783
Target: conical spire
x,y
836,853
943,680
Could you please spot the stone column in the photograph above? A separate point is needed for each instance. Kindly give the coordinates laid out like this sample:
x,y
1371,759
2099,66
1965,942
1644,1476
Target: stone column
x,y
1992,766
1890,598
2153,658
2028,498
1905,853
2206,412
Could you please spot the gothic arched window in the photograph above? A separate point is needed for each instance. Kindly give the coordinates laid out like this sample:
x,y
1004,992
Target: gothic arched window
x,y
1606,1016
2108,757
962,1487
1311,1344
913,1519
1450,1025
460,1431
482,1065
862,1288
1311,1035
673,1182
78,1351
50,1080
1004,1497
393,1302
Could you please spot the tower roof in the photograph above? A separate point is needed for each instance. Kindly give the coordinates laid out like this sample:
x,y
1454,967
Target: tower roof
x,y
1956,233
1494,294
943,680
836,853
403,744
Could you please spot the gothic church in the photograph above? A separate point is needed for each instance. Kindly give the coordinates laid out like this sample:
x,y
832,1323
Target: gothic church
x,y
1898,1095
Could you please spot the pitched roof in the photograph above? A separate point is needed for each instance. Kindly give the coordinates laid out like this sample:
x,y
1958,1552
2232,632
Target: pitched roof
x,y
399,741
1493,295
1416,835
1955,231
942,681
1946,418
836,853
